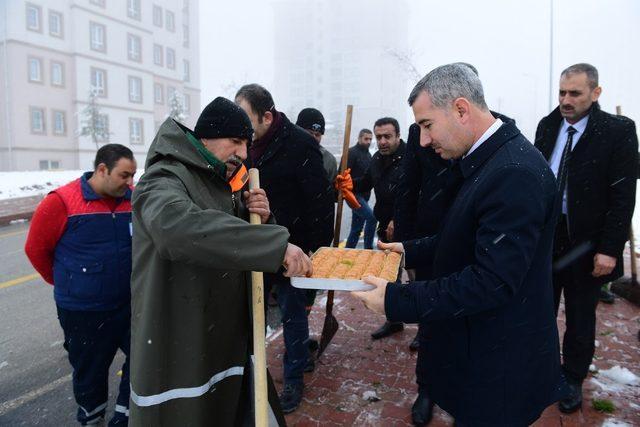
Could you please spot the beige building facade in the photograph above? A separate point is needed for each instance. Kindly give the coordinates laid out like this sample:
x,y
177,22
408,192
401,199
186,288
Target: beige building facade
x,y
133,54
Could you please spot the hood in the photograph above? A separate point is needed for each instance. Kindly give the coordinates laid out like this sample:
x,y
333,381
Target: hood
x,y
171,142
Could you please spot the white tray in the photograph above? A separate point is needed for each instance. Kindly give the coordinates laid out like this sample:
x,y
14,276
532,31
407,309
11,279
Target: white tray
x,y
330,284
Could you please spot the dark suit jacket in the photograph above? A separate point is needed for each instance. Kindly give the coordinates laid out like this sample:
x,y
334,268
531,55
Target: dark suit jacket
x,y
293,176
491,331
383,176
601,185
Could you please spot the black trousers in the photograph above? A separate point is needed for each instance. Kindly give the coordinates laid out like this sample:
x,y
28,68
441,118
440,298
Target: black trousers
x,y
581,295
92,339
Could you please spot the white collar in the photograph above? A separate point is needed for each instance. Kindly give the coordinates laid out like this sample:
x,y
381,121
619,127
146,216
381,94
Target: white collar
x,y
580,125
486,135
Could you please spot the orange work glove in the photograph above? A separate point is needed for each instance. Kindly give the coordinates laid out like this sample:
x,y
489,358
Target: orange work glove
x,y
344,184
350,198
344,181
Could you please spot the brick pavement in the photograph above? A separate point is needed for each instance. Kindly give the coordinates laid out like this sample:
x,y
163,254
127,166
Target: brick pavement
x,y
354,365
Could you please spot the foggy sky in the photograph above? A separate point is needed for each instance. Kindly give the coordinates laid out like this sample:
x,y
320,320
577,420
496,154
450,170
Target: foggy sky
x,y
508,41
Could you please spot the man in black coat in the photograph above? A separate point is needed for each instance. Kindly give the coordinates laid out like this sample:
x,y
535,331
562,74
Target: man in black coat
x,y
383,176
594,156
300,198
488,316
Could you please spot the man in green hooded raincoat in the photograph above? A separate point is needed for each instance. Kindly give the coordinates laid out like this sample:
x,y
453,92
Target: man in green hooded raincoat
x,y
193,250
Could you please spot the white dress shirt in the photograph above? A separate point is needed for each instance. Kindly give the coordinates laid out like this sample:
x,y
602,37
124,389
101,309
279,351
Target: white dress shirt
x,y
561,140
486,135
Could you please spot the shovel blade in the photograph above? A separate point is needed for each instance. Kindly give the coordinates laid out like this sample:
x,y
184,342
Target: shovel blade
x,y
328,331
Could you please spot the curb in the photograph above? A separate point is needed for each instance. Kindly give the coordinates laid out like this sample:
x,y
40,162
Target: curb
x,y
18,208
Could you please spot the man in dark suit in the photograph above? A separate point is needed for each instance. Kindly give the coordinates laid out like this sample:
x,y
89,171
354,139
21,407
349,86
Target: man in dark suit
x,y
301,199
489,325
594,156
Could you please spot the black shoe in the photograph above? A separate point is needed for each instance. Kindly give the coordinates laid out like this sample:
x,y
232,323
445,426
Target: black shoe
x,y
422,410
313,345
606,296
415,344
291,397
387,329
310,366
573,402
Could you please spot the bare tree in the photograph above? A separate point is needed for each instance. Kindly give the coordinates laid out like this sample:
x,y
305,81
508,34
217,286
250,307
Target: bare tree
x,y
405,61
176,107
93,122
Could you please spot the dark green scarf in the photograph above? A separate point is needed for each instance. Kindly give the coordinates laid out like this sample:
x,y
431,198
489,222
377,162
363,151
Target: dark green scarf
x,y
218,167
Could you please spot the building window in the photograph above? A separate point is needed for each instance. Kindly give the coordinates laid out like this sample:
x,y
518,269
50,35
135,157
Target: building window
x,y
97,2
57,73
35,70
37,120
102,126
157,54
185,36
187,103
170,93
157,16
158,93
99,81
59,123
135,131
171,58
56,28
34,15
133,9
98,37
170,21
135,89
134,48
187,70
46,165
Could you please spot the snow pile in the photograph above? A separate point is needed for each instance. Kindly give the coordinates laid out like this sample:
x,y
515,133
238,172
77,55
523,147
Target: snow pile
x,y
34,183
370,396
25,184
620,375
614,423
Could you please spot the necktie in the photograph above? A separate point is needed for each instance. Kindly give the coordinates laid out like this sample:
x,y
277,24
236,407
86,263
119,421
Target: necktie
x,y
563,169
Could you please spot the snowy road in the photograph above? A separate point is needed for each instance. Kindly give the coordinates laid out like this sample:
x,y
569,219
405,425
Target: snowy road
x,y
35,380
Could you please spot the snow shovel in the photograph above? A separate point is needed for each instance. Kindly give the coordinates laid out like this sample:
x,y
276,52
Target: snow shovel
x,y
261,397
330,326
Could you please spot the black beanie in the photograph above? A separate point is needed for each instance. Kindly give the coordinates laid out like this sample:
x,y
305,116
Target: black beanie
x,y
223,119
312,119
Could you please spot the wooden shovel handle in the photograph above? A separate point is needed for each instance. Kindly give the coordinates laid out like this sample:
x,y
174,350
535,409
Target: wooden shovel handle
x,y
261,397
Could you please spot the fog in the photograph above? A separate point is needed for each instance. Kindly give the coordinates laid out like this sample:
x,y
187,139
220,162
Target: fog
x,y
508,42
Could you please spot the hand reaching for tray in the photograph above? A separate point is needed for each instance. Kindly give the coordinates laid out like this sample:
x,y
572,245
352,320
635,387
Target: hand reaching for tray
x,y
397,247
373,299
295,261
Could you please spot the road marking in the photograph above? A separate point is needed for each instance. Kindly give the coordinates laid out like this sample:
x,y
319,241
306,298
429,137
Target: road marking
x,y
10,405
13,233
19,280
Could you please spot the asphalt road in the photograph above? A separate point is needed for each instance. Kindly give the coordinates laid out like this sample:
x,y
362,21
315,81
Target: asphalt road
x,y
35,376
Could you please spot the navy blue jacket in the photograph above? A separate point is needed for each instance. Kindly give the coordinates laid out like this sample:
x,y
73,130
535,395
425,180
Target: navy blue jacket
x,y
92,261
491,330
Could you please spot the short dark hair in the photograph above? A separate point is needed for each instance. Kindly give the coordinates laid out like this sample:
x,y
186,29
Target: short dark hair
x,y
363,131
258,97
110,154
388,121
588,69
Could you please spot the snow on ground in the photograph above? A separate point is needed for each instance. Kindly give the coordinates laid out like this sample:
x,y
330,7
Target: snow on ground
x,y
34,183
615,423
620,375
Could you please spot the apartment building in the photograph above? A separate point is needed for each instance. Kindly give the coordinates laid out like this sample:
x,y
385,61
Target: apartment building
x,y
133,54
331,53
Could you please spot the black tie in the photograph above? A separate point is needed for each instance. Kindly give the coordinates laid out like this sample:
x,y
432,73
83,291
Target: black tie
x,y
564,163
